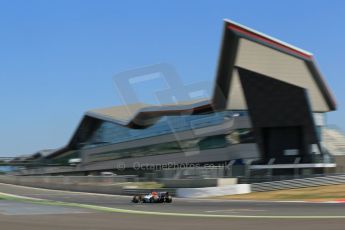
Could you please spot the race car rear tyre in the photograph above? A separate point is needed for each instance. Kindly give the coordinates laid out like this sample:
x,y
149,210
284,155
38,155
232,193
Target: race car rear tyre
x,y
168,199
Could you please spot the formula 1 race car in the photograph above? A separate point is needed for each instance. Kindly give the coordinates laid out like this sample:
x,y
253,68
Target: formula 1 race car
x,y
153,197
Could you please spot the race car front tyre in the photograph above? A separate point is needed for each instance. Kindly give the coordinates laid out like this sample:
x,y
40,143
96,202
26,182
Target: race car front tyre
x,y
136,199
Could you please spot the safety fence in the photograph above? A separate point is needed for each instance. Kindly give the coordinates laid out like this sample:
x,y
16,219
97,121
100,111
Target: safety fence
x,y
298,183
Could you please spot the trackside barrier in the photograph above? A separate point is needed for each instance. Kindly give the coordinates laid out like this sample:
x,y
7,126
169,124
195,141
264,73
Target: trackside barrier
x,y
298,183
213,191
68,179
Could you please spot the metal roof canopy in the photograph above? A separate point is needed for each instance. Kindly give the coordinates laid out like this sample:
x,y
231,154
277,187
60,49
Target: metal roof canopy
x,y
255,51
245,48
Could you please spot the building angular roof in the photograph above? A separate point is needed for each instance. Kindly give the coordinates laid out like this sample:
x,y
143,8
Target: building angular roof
x,y
249,49
144,114
241,47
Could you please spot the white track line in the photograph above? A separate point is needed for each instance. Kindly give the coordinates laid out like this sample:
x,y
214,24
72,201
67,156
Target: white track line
x,y
127,211
191,200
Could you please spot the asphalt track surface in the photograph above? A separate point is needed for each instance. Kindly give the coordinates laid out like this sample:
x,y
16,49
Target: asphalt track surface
x,y
181,214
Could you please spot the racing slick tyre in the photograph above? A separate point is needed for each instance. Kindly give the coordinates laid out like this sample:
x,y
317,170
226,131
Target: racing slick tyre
x,y
136,199
168,199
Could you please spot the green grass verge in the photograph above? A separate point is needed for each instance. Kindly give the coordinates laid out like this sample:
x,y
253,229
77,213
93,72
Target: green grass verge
x,y
319,193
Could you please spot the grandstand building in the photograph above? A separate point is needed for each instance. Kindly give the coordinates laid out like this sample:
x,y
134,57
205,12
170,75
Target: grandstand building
x,y
266,110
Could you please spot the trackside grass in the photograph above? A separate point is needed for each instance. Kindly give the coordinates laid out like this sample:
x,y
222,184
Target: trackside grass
x,y
320,193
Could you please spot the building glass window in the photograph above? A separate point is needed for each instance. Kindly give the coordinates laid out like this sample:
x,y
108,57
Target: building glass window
x,y
111,133
205,143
